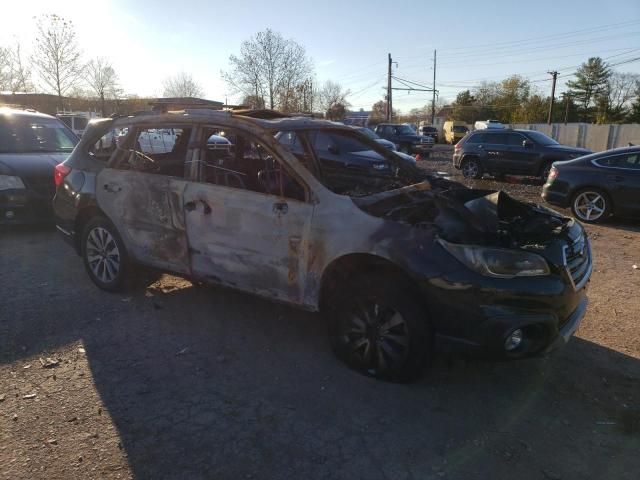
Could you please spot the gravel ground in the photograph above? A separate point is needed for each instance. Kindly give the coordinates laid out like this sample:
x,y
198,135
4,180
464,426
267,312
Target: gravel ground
x,y
177,381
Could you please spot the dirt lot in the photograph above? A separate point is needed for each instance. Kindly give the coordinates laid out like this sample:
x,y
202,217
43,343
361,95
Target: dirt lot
x,y
177,381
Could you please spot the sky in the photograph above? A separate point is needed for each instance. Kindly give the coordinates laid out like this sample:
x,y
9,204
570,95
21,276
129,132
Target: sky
x,y
347,40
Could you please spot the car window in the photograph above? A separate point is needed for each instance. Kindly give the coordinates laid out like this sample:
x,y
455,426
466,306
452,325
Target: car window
x,y
236,159
460,129
104,147
27,134
515,139
497,138
631,161
293,142
161,151
477,138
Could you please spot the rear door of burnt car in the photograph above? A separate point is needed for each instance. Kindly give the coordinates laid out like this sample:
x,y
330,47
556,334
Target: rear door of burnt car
x,y
248,217
141,192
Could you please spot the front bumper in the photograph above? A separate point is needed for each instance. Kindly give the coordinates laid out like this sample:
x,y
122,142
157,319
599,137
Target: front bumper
x,y
24,206
421,147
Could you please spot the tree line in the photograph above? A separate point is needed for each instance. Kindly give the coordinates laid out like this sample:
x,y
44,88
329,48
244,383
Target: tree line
x,y
597,94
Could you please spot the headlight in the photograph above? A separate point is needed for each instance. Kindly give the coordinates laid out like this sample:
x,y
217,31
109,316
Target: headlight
x,y
498,262
8,182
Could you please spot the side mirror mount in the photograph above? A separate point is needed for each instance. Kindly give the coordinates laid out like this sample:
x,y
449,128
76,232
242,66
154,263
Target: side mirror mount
x,y
527,144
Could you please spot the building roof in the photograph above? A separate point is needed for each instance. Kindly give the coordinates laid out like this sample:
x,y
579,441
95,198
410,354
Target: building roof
x,y
183,103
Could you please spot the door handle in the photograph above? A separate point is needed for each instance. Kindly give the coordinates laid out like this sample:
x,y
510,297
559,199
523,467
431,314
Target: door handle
x,y
280,208
112,187
191,206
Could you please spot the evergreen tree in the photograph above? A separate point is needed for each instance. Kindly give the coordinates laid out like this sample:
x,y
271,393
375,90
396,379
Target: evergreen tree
x,y
590,86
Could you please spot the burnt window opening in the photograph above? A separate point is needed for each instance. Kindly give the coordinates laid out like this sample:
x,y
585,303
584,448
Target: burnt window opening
x,y
235,159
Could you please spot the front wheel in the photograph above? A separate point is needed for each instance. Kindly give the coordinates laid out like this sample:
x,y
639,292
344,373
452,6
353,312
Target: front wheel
x,y
104,254
591,205
380,330
471,168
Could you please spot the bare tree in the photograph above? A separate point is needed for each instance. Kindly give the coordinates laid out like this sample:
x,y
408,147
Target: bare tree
x,y
20,71
332,94
182,85
269,66
56,54
619,93
5,68
102,79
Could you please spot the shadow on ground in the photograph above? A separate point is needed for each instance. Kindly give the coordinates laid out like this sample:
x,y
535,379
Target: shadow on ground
x,y
208,383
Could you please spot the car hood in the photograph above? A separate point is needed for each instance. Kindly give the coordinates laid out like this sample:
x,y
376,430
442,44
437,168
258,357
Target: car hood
x,y
467,216
30,164
568,149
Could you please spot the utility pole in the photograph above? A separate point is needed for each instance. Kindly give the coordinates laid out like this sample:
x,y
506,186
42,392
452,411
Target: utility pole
x,y
433,100
566,108
389,102
554,74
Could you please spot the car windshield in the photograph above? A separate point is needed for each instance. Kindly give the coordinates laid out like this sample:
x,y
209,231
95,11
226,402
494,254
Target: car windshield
x,y
26,134
405,130
541,138
460,129
369,133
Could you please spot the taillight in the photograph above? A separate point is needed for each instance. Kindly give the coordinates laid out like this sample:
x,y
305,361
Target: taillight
x,y
457,147
553,173
59,173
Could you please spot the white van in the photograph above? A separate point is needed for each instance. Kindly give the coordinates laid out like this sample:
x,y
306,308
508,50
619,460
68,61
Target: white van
x,y
484,124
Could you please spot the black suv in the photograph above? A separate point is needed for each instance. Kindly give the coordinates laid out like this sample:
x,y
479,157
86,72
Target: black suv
x,y
394,258
31,145
505,151
405,138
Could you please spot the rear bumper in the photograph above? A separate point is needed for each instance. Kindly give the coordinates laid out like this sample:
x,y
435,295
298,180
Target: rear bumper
x,y
24,206
555,196
421,147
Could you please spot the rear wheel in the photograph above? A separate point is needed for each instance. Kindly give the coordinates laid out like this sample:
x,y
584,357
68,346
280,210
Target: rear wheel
x,y
380,329
591,205
104,254
471,168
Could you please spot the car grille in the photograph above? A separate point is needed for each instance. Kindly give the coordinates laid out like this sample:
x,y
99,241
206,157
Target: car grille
x,y
577,261
42,186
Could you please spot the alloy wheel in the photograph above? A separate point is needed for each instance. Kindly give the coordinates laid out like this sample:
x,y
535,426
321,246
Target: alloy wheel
x,y
589,206
470,169
377,337
103,256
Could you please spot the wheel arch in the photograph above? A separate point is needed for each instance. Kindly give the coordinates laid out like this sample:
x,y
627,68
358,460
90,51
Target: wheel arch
x,y
346,267
84,216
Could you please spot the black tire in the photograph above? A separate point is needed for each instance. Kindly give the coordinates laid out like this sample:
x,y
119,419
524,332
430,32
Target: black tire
x,y
471,168
380,329
600,201
104,255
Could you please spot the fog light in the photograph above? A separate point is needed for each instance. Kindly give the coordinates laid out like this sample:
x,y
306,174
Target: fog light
x,y
513,341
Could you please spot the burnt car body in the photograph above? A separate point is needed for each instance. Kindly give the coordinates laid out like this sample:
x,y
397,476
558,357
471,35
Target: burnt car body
x,y
503,151
31,145
397,260
597,186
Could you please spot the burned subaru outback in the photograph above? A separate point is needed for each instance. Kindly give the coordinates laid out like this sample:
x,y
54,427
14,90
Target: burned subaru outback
x,y
317,215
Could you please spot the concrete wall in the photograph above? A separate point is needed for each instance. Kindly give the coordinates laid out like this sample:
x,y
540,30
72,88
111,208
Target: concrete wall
x,y
593,137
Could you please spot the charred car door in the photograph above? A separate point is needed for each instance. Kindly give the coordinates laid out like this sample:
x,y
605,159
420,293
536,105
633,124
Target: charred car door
x,y
247,219
141,192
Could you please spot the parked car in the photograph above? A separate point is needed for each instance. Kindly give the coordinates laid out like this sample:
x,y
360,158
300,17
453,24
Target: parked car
x,y
505,151
31,144
454,131
597,186
393,257
374,136
405,138
429,131
484,124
